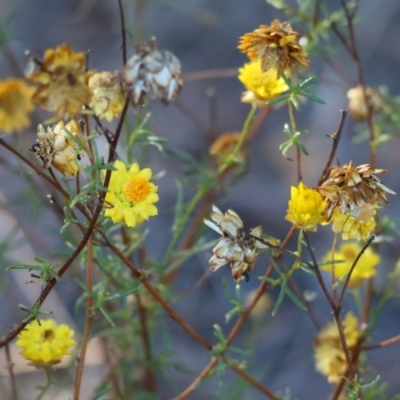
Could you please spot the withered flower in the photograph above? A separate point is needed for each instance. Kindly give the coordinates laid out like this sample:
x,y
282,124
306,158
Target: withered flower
x,y
224,145
358,108
57,149
152,74
62,82
277,46
348,188
235,248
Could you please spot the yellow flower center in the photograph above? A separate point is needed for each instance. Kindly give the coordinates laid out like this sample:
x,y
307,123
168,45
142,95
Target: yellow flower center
x,y
48,334
137,189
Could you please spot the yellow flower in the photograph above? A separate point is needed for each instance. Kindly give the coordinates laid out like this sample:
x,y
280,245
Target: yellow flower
x,y
261,86
357,224
108,99
15,105
44,343
328,351
306,208
347,253
130,195
62,82
277,47
57,149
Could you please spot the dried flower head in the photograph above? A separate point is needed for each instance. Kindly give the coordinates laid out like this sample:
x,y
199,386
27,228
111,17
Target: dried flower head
x,y
57,149
234,248
44,343
152,74
277,46
342,260
62,82
305,208
349,188
329,355
358,108
131,195
108,98
15,105
224,146
261,86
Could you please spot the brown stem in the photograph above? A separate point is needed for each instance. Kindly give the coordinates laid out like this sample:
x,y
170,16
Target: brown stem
x,y
190,389
339,303
210,74
154,292
10,367
384,343
88,320
123,32
335,143
150,382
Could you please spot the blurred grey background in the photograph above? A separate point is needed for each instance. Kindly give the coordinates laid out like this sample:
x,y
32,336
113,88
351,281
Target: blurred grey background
x,y
203,34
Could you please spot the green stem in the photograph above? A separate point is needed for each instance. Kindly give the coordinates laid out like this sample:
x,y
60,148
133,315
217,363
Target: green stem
x,y
205,186
45,388
293,128
246,127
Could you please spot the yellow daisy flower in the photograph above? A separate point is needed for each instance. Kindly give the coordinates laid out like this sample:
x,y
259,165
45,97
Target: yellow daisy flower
x,y
306,208
15,105
108,99
44,343
62,82
130,195
328,351
261,86
347,253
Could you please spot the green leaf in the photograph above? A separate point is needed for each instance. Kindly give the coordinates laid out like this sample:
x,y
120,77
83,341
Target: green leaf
x,y
280,298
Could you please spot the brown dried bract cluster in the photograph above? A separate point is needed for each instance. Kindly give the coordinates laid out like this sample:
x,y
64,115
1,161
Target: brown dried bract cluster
x,y
234,247
152,74
277,46
224,145
349,188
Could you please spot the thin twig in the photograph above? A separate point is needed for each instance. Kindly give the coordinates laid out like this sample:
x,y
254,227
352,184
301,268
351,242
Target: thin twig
x,y
123,31
210,74
384,343
369,241
88,320
10,367
191,388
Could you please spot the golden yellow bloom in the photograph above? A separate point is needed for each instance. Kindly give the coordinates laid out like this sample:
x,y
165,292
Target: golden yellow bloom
x,y
277,46
328,351
357,224
108,98
224,146
261,86
347,253
44,343
15,105
306,208
130,195
57,149
357,107
62,82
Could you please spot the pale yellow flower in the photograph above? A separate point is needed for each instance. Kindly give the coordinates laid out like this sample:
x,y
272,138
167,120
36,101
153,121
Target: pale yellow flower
x,y
224,145
344,258
57,149
108,99
357,224
15,105
306,208
329,355
44,343
261,86
277,46
62,82
357,107
131,195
